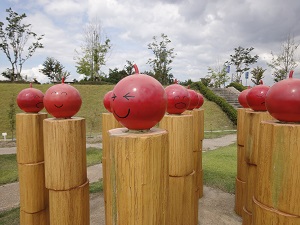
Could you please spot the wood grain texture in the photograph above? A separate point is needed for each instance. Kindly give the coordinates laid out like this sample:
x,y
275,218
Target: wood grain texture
x,y
38,218
247,217
108,122
198,126
29,134
139,176
252,129
198,172
181,142
33,193
251,183
241,163
182,203
241,126
70,207
239,196
279,167
65,153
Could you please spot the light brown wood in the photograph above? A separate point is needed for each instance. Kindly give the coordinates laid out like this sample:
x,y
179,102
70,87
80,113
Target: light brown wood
x,y
239,196
65,153
279,167
196,205
198,172
241,126
182,201
108,122
247,217
139,176
70,207
38,218
241,163
252,129
266,215
33,193
198,126
181,162
29,133
251,183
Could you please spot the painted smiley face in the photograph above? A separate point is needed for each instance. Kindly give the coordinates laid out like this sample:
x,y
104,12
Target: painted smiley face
x,y
256,97
138,102
62,101
178,99
30,100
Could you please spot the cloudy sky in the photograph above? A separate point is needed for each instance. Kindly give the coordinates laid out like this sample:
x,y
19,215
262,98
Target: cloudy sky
x,y
201,32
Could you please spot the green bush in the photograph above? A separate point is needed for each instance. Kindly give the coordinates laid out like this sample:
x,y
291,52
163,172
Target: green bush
x,y
237,86
211,96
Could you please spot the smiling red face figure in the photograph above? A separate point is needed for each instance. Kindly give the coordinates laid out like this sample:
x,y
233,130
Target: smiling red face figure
x,y
242,98
30,100
178,98
200,102
194,99
138,101
106,101
62,100
256,97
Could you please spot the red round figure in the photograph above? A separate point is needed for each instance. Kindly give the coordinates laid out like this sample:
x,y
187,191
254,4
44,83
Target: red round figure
x,y
194,99
201,101
30,100
178,98
256,97
62,100
242,98
106,101
138,101
283,100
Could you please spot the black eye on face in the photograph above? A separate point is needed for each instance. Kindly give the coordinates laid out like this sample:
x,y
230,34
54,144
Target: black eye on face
x,y
64,93
114,96
127,96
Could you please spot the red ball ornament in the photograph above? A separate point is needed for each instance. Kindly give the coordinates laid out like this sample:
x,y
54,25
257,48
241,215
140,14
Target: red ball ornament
x,y
201,101
106,101
242,98
178,99
138,101
283,100
256,97
30,100
194,99
62,100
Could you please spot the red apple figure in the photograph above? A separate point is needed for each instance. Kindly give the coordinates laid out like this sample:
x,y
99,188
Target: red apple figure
x,y
106,101
256,97
138,101
283,100
194,99
178,98
62,100
30,100
201,101
242,98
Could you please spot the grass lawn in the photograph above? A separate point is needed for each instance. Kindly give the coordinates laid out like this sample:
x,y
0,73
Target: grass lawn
x,y
219,168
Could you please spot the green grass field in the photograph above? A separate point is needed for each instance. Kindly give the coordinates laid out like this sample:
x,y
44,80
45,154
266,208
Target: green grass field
x,y
92,107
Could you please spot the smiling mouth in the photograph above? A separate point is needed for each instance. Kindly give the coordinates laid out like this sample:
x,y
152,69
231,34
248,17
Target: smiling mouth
x,y
58,106
122,117
39,105
180,105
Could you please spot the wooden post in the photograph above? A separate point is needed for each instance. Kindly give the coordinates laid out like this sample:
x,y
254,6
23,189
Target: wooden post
x,y
108,122
30,158
277,196
252,153
139,176
66,172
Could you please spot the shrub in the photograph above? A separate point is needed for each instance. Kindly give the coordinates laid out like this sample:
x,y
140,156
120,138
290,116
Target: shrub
x,y
237,86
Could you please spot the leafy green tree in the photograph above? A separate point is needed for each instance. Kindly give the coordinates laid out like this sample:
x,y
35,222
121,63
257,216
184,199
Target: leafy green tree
x,y
257,75
93,52
163,57
285,61
115,75
53,69
129,67
14,38
241,59
218,75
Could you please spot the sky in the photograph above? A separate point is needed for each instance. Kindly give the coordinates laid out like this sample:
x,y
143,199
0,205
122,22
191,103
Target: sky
x,y
202,33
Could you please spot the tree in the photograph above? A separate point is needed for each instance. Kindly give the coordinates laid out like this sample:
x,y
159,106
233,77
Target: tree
x,y
128,68
14,38
163,57
93,52
241,60
53,69
218,75
285,61
115,75
257,75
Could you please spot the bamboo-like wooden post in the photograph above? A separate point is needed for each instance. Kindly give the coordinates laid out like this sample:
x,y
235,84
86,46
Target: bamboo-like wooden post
x,y
182,188
139,176
66,172
276,197
30,158
252,151
108,122
240,184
